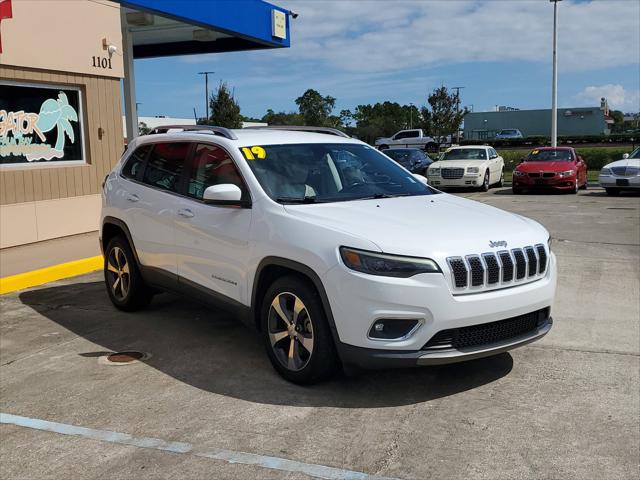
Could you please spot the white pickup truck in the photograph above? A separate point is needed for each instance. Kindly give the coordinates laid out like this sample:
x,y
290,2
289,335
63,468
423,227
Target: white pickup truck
x,y
415,138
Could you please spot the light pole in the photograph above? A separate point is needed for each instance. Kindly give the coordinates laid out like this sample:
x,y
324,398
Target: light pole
x,y
410,115
457,89
206,91
554,85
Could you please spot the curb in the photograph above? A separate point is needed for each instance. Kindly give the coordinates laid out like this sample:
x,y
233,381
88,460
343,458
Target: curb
x,y
50,274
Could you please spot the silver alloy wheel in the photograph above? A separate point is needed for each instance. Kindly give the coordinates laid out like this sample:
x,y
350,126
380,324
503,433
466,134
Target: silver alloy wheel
x,y
290,331
118,269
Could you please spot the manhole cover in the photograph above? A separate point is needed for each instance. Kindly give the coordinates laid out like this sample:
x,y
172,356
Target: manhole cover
x,y
124,358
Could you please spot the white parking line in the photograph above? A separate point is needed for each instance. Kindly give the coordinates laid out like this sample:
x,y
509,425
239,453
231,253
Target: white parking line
x,y
228,456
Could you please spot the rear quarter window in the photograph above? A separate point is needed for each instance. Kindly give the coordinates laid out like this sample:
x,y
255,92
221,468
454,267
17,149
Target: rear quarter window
x,y
133,168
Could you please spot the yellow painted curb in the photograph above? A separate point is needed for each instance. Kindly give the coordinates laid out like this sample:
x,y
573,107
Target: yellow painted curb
x,y
50,274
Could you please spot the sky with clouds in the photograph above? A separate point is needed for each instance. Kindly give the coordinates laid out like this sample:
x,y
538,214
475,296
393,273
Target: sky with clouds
x,y
364,51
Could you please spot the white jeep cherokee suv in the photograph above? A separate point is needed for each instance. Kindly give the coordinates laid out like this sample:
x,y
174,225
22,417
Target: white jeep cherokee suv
x,y
333,252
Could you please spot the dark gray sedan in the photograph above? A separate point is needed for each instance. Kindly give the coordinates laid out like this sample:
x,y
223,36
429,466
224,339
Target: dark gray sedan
x,y
413,159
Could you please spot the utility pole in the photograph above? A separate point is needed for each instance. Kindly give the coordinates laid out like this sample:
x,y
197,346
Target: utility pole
x,y
554,84
206,91
457,89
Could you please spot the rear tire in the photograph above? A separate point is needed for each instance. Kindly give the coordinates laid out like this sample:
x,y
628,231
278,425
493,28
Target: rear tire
x,y
125,286
614,192
296,332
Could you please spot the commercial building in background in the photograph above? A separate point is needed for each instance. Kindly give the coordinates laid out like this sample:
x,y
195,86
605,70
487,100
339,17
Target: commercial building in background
x,y
63,64
580,121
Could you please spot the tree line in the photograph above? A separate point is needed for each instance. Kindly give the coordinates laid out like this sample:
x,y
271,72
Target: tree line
x,y
438,117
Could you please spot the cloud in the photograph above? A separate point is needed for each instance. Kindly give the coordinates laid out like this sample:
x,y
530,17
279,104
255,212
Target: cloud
x,y
616,95
376,36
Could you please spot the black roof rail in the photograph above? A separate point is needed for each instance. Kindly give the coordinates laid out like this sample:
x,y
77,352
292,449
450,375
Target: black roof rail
x,y
303,128
220,131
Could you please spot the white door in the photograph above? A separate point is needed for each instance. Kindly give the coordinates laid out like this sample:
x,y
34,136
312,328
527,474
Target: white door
x,y
150,199
212,241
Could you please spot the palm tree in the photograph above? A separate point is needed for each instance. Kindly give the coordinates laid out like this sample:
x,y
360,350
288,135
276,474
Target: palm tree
x,y
58,113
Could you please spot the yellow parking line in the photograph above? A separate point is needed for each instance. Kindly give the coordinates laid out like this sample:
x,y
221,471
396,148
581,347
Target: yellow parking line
x,y
50,274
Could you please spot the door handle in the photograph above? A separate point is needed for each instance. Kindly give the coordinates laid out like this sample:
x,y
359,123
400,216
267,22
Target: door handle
x,y
132,197
185,212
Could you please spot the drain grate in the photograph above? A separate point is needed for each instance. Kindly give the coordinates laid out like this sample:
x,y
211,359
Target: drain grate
x,y
125,357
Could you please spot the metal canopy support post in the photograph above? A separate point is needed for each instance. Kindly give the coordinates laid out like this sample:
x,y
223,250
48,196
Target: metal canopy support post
x,y
130,110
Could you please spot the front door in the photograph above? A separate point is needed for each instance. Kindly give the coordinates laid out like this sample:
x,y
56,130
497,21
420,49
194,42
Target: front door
x,y
213,241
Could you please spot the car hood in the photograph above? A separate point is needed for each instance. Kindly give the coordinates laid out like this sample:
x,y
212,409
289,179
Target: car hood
x,y
545,166
625,162
432,225
457,163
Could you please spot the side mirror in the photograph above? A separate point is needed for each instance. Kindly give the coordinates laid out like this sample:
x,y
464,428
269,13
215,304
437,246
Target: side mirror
x,y
625,156
224,194
421,178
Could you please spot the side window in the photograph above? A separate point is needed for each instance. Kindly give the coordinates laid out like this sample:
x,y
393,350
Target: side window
x,y
165,165
212,165
135,162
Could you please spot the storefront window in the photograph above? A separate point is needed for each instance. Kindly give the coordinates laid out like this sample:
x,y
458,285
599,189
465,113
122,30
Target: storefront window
x,y
40,125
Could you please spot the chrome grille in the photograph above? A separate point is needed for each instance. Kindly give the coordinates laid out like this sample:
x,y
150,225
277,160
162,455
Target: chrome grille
x,y
452,173
625,171
500,269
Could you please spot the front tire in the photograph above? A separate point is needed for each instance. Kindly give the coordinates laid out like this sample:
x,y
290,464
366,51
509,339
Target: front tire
x,y
125,286
575,187
485,184
296,333
501,181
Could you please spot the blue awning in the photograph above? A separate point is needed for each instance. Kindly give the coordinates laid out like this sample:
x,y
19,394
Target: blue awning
x,y
163,28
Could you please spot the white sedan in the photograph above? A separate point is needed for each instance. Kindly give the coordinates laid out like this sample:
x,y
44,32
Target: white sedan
x,y
621,175
470,166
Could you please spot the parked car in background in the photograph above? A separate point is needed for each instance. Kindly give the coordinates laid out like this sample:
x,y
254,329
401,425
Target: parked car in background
x,y
509,134
622,174
415,138
330,250
469,166
413,159
559,168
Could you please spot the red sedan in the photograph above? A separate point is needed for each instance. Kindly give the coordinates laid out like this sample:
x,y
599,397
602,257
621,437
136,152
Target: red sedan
x,y
559,168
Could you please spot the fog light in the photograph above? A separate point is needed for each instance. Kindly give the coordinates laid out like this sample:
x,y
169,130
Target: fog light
x,y
393,328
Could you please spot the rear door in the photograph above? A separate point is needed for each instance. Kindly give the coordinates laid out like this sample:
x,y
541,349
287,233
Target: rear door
x,y
151,199
212,241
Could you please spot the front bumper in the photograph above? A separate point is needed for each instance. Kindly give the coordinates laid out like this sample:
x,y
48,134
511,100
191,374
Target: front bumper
x,y
368,358
358,300
615,181
558,182
467,181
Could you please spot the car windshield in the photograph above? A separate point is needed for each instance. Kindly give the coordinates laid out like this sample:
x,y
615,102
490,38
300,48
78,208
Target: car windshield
x,y
635,153
508,132
320,172
465,154
549,156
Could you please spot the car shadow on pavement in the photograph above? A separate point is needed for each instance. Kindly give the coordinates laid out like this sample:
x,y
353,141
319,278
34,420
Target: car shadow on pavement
x,y
212,351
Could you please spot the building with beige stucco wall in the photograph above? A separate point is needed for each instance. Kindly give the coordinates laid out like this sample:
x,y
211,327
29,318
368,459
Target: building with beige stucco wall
x,y
63,64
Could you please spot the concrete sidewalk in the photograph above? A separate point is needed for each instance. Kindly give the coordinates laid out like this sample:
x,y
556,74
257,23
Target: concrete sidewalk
x,y
34,256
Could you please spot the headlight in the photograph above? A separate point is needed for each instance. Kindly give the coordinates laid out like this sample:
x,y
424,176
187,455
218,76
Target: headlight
x,y
473,170
433,171
518,173
605,171
386,265
568,173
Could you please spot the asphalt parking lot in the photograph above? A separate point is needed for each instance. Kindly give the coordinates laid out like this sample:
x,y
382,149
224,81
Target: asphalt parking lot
x,y
565,407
